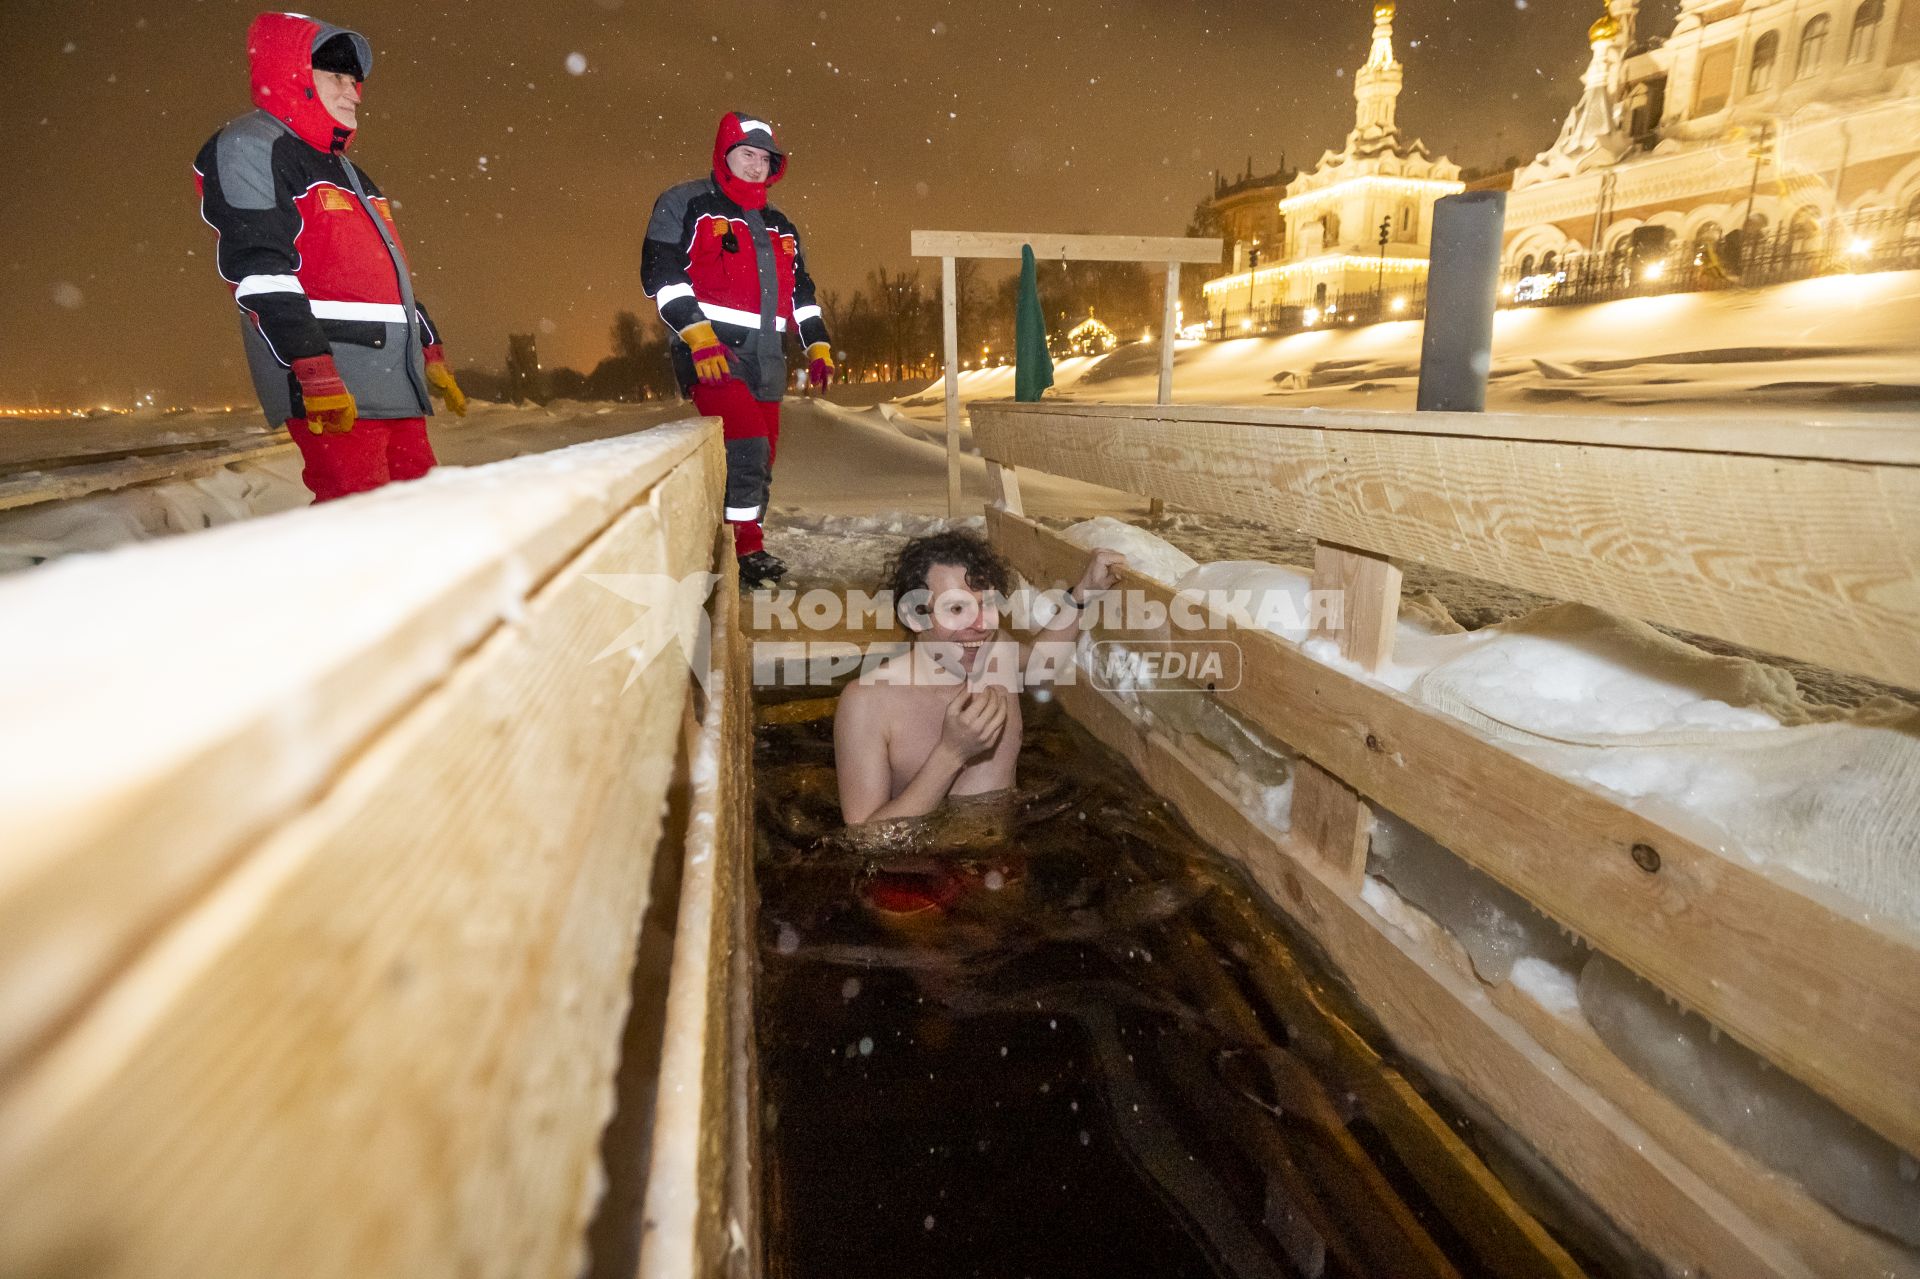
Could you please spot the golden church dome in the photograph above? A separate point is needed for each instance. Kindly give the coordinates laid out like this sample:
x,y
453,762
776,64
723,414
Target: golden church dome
x,y
1383,11
1607,28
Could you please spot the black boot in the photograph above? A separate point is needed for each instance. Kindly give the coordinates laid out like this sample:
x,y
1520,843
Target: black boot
x,y
757,568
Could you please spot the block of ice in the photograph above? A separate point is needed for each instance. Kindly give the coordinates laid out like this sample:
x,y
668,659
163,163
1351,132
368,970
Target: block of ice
x,y
1764,1111
1495,925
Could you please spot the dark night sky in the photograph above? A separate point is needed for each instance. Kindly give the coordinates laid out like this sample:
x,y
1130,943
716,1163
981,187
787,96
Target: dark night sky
x,y
522,188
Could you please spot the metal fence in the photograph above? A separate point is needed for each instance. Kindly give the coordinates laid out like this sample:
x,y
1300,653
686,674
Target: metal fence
x,y
1408,302
1652,261
1649,262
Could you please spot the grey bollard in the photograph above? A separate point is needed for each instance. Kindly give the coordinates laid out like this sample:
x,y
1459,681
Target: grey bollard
x,y
1463,281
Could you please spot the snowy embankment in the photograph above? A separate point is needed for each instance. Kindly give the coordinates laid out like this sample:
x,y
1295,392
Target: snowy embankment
x,y
1724,749
31,535
1844,343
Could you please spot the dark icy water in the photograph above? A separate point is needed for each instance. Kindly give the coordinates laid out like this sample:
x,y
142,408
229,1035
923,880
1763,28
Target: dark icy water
x,y
1056,1036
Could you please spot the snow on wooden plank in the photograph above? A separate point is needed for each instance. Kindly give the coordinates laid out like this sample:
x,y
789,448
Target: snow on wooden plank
x,y
1827,995
30,488
702,1182
1815,559
169,704
381,1037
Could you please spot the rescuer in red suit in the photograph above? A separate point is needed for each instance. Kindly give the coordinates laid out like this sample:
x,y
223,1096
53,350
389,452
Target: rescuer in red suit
x,y
339,347
726,271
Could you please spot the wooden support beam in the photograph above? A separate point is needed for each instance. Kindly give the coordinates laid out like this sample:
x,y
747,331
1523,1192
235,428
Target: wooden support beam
x,y
1442,1018
1862,440
1328,815
1809,558
1003,488
1169,333
1071,248
1368,588
1832,999
1331,819
950,330
381,1038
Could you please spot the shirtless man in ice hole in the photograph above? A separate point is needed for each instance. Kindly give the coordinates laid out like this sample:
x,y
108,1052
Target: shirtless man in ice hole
x,y
944,718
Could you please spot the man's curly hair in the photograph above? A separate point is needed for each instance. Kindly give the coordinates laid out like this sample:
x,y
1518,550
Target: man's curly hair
x,y
907,571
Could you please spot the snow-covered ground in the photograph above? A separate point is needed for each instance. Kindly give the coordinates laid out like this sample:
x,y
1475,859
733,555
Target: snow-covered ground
x,y
1843,343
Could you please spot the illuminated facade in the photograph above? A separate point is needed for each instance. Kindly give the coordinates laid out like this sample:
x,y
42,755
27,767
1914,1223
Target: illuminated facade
x,y
1357,226
1780,134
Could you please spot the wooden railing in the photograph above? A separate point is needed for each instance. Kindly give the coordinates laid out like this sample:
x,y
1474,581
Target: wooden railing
x,y
329,840
1800,541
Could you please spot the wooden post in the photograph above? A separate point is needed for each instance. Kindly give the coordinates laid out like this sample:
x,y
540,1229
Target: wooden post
x,y
950,319
1328,814
1169,320
1003,488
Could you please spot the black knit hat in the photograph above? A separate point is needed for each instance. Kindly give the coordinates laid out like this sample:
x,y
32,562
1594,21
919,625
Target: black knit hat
x,y
340,55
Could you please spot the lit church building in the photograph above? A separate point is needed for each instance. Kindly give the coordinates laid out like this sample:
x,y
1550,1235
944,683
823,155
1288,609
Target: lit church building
x,y
1353,232
1797,120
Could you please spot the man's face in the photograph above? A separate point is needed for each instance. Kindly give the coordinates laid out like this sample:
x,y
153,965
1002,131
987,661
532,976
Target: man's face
x,y
961,621
340,95
750,164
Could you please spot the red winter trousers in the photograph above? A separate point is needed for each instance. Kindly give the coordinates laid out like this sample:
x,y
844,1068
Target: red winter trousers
x,y
376,451
752,429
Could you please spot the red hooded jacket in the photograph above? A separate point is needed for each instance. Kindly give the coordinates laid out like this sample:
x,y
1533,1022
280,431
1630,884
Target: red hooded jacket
x,y
280,49
306,240
717,251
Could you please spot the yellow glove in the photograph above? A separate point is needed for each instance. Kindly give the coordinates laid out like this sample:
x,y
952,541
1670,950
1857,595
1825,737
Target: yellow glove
x,y
329,405
710,362
440,382
820,372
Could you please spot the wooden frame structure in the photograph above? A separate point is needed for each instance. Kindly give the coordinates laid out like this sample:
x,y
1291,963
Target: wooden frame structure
x,y
318,915
950,245
81,478
1799,542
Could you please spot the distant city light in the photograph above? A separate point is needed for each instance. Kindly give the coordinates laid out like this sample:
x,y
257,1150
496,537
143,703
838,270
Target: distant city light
x,y
1398,305
1246,326
1655,271
1311,315
1860,247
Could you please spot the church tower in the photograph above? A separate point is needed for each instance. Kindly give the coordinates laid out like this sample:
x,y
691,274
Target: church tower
x,y
1376,88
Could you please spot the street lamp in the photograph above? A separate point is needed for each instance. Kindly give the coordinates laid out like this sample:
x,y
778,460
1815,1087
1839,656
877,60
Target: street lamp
x,y
1380,280
1253,265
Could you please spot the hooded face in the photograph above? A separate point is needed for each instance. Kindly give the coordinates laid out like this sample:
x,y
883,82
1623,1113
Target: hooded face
x,y
740,129
280,52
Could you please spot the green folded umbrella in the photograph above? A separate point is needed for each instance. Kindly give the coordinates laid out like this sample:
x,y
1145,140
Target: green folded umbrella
x,y
1032,366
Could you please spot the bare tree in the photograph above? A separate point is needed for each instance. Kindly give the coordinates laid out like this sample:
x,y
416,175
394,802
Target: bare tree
x,y
901,310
